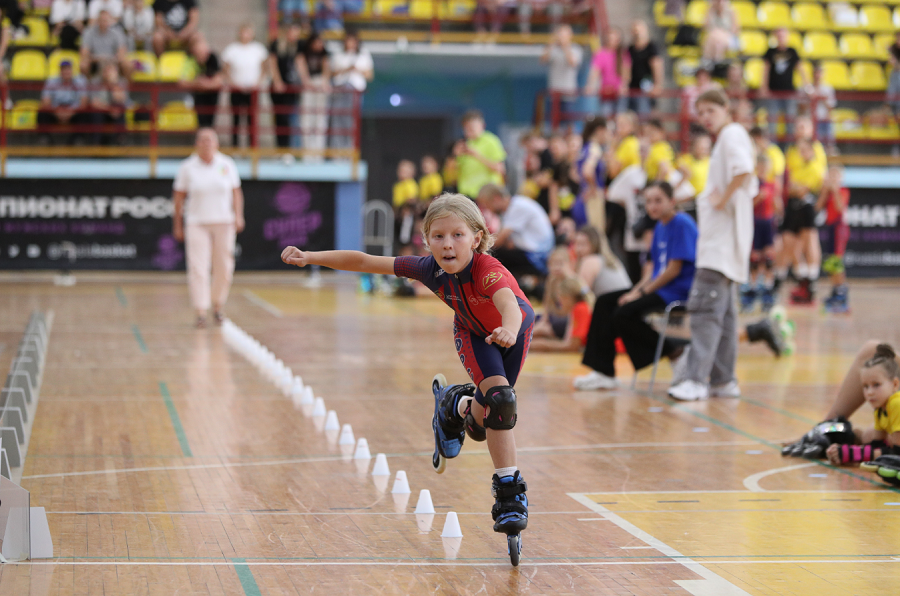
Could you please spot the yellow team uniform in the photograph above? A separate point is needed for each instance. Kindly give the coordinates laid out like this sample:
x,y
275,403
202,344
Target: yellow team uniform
x,y
430,186
776,161
809,174
887,419
660,153
628,153
699,169
405,191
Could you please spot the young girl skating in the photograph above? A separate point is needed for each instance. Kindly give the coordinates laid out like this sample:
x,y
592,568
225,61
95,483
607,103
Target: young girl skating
x,y
492,331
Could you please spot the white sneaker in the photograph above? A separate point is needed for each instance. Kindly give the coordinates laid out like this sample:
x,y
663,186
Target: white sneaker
x,y
593,381
679,366
730,389
689,390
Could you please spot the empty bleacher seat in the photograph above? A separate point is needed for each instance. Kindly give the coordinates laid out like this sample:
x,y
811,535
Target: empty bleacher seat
x,y
867,76
836,74
746,13
876,18
172,66
28,65
857,45
753,72
847,19
23,115
807,16
388,8
38,32
772,15
847,124
820,44
881,43
58,57
176,117
427,9
695,14
143,66
753,43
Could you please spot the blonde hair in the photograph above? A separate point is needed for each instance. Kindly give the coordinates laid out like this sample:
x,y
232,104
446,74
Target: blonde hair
x,y
572,286
464,208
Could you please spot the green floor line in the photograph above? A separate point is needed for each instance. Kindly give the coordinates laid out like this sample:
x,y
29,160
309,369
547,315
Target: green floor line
x,y
176,420
248,582
139,338
778,410
121,296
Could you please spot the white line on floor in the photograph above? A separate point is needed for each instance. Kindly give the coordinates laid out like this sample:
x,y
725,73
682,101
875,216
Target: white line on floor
x,y
266,306
752,482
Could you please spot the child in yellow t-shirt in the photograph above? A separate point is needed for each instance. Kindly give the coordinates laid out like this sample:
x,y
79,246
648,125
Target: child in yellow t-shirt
x,y
880,376
659,159
694,167
431,184
405,189
626,147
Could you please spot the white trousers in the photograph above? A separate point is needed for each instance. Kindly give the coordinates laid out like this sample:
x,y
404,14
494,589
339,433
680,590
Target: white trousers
x,y
210,250
314,120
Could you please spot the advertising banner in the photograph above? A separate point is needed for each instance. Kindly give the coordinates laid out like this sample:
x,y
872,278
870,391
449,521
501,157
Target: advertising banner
x,y
873,249
127,224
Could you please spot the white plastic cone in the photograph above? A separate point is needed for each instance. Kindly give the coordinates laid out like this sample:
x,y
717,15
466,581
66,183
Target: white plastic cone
x,y
319,408
331,421
401,484
362,450
297,385
451,527
309,397
346,435
424,505
381,466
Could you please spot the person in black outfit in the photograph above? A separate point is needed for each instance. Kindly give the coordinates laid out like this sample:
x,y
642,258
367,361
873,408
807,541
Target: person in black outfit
x,y
314,67
646,80
283,69
779,64
177,21
207,84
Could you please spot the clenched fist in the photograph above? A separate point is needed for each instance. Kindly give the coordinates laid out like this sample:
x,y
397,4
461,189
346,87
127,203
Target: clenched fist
x,y
294,256
502,337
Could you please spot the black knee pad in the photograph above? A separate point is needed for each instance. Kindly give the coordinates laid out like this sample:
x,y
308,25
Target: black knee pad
x,y
475,431
502,403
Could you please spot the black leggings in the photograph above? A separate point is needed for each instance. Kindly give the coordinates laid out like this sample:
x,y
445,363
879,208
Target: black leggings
x,y
283,115
240,105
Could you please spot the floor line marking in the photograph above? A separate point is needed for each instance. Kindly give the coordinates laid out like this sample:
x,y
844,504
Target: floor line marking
x,y
248,582
751,482
263,304
176,420
139,338
711,583
121,296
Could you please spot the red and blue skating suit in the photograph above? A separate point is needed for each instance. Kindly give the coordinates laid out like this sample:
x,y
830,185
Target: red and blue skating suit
x,y
470,294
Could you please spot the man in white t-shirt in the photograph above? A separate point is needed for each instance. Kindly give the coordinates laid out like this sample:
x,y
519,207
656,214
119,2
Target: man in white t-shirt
x,y
725,221
351,69
243,62
526,235
209,212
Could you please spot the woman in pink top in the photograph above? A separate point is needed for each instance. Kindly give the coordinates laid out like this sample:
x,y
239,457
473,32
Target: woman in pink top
x,y
608,68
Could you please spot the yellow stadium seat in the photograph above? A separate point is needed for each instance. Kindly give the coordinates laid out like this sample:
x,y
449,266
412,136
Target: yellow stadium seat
x,y
23,116
772,15
875,18
753,72
57,58
28,65
881,42
176,117
754,43
806,67
685,70
660,16
143,66
888,131
173,66
427,9
38,32
807,16
857,45
695,14
746,14
679,51
847,124
461,9
795,40
867,76
818,45
388,8
836,74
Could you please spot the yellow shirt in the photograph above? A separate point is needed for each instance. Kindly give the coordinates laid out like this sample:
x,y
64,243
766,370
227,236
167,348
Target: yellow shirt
x,y
776,160
810,174
430,186
405,191
628,153
699,169
887,419
660,153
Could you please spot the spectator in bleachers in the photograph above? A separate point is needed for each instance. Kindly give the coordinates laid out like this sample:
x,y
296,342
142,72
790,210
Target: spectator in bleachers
x,y
538,168
481,156
694,168
775,171
138,22
609,69
67,22
822,95
177,22
596,266
703,83
779,64
576,317
489,10
626,147
430,184
563,185
735,86
743,113
722,28
295,11
283,70
450,171
64,98
352,69
589,207
526,8
564,58
553,321
109,100
113,7
207,84
408,209
10,20
329,16
101,43
314,67
625,192
243,62
660,156
645,81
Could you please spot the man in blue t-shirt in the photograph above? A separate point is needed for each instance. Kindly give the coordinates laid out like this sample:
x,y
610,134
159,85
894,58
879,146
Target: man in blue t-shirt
x,y
667,278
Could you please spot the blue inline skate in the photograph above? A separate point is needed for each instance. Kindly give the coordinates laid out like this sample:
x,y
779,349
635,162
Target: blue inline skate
x,y
447,424
510,511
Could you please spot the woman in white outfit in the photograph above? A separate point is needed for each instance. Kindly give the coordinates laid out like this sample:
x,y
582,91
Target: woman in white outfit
x,y
209,212
314,68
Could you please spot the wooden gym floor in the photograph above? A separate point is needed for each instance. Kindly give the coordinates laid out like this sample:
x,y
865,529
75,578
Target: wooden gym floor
x,y
169,465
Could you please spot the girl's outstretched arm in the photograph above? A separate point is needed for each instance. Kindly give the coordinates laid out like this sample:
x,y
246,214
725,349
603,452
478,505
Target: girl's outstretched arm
x,y
344,260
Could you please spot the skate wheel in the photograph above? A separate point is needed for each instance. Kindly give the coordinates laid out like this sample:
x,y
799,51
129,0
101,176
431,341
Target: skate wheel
x,y
514,546
439,462
439,381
